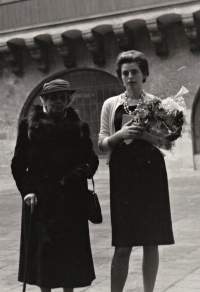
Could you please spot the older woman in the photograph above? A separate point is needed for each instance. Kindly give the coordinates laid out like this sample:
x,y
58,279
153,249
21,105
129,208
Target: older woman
x,y
51,165
140,208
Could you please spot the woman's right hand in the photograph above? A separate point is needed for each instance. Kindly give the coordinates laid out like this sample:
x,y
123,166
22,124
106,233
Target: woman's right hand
x,y
30,199
131,130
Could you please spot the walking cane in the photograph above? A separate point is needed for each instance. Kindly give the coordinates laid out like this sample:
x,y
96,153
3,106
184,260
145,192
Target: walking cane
x,y
27,249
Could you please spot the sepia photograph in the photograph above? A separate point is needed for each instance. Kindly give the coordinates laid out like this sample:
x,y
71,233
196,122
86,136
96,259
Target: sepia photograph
x,y
99,146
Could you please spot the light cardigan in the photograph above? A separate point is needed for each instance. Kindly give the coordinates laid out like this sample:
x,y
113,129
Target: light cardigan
x,y
107,128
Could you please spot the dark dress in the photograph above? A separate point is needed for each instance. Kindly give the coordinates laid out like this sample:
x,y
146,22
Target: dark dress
x,y
60,253
140,207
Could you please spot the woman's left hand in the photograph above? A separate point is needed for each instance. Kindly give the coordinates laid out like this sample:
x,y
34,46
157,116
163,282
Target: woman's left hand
x,y
76,177
149,137
143,134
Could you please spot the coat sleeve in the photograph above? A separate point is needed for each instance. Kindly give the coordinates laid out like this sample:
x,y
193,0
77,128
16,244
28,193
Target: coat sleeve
x,y
89,156
19,164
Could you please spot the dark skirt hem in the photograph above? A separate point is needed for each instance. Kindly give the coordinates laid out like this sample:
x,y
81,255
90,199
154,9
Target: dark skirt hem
x,y
145,244
54,286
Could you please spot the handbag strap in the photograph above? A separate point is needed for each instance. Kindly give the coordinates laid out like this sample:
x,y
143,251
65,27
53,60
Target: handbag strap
x,y
90,172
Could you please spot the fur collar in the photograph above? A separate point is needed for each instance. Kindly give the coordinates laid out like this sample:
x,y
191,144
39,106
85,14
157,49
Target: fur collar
x,y
38,119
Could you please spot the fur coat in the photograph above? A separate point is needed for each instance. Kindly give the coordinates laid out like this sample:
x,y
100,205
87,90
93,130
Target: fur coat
x,y
46,151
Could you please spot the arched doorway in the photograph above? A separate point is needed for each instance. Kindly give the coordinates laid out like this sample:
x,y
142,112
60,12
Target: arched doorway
x,y
93,87
196,130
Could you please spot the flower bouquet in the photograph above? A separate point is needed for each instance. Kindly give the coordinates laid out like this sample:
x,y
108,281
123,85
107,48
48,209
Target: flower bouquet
x,y
165,118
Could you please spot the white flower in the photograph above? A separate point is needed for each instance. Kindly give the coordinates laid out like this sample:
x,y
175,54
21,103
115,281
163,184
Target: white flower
x,y
171,104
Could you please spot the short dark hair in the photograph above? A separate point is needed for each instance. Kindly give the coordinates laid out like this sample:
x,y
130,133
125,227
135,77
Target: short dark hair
x,y
129,57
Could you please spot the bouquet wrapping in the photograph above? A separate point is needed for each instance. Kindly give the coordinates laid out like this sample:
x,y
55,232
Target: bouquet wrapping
x,y
163,118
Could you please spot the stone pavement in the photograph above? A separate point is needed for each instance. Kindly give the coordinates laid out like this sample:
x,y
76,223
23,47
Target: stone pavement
x,y
179,269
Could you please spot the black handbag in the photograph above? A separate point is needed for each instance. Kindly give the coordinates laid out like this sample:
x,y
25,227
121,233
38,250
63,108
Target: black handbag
x,y
94,208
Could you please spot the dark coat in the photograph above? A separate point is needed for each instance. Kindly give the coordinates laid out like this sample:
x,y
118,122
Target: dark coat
x,y
46,151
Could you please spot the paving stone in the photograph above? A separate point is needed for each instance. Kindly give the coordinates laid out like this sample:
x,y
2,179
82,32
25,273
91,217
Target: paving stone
x,y
188,284
179,268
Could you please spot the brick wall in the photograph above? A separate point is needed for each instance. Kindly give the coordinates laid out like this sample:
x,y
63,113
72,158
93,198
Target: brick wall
x,y
166,78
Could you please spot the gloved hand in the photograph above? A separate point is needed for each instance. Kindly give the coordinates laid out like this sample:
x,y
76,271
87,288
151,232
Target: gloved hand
x,y
74,179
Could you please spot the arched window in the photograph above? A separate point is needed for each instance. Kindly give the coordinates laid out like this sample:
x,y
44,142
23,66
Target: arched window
x,y
93,87
196,130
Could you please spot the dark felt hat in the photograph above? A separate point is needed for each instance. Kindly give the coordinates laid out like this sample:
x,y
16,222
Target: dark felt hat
x,y
56,85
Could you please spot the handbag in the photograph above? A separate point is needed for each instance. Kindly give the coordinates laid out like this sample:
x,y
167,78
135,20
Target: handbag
x,y
94,208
